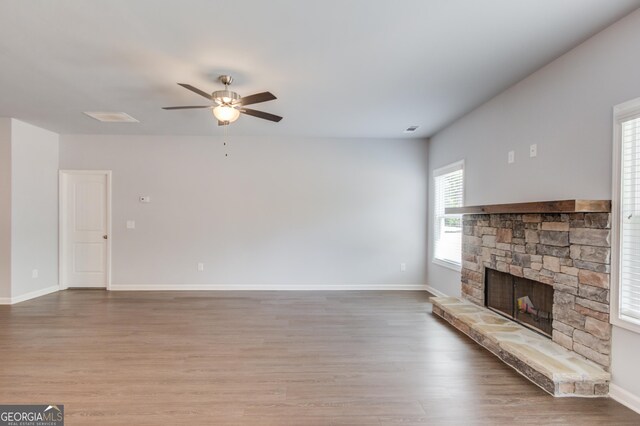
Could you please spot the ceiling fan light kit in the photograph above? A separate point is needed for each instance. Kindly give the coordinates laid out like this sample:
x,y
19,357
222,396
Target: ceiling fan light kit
x,y
226,114
229,105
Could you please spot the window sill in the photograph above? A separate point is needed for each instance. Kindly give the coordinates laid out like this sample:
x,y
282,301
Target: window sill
x,y
447,264
630,325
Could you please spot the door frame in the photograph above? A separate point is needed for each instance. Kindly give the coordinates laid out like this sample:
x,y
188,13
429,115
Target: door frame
x,y
62,211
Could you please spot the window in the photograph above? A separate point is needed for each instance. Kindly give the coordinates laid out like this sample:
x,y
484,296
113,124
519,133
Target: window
x,y
625,276
447,228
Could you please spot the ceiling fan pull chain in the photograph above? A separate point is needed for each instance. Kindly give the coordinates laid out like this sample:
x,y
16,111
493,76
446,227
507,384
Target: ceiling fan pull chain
x,y
225,138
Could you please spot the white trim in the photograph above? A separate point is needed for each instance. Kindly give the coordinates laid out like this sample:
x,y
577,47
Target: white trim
x,y
109,228
624,397
620,113
84,172
451,265
265,287
615,222
453,167
28,296
435,291
62,212
60,236
626,109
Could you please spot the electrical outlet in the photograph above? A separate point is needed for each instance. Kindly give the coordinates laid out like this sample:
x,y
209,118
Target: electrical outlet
x,y
200,267
403,267
533,150
511,157
34,273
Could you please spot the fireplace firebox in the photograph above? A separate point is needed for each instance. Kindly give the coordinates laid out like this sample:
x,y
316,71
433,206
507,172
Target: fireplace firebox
x,y
523,300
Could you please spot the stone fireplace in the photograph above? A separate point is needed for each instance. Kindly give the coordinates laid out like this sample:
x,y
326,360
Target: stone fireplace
x,y
535,291
569,252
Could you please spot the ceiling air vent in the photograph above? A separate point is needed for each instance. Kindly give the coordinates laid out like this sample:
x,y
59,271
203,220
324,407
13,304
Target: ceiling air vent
x,y
411,129
112,117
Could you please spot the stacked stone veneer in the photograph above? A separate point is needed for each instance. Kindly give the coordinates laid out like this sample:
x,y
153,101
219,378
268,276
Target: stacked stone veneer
x,y
571,252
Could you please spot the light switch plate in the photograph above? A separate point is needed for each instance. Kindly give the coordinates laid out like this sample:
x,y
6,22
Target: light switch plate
x,y
145,199
131,224
511,157
533,150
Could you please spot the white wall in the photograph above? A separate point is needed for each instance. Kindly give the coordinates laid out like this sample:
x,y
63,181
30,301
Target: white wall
x,y
565,108
276,213
28,211
34,208
5,209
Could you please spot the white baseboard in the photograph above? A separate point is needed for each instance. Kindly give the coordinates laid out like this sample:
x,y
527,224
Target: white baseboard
x,y
624,397
28,296
263,287
434,291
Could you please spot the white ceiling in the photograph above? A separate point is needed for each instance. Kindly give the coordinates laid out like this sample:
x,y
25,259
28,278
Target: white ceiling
x,y
350,68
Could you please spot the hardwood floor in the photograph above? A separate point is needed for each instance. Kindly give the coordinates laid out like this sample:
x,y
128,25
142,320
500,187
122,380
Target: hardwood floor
x,y
265,358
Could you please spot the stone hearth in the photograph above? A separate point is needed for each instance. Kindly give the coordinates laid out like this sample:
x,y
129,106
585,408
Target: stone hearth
x,y
571,252
557,370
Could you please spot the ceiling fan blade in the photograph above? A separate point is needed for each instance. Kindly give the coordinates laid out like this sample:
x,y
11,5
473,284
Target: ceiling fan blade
x,y
257,98
196,90
261,114
188,107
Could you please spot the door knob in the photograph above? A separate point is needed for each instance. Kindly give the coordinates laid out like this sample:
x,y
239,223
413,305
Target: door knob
x,y
104,236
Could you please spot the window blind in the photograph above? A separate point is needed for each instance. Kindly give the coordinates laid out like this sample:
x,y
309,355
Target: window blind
x,y
630,218
447,233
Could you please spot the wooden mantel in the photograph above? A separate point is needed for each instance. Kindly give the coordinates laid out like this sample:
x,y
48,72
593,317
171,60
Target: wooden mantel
x,y
562,206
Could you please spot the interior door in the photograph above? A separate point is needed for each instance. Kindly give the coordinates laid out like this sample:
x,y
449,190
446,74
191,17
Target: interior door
x,y
85,225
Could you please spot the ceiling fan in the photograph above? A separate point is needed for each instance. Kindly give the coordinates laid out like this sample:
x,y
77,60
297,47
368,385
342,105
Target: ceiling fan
x,y
229,105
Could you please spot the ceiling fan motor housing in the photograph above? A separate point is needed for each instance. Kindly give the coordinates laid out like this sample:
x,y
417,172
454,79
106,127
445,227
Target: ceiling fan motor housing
x,y
223,97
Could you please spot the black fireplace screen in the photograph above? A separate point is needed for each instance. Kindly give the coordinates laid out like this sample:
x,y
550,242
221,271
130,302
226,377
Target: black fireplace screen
x,y
526,301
